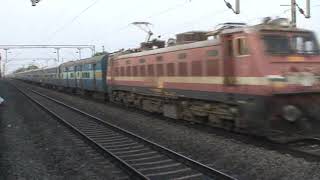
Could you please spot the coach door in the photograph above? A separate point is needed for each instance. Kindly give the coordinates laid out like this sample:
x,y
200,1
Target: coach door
x,y
94,76
78,77
67,76
228,60
75,76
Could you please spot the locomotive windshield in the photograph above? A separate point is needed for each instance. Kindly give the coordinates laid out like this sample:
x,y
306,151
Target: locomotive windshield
x,y
295,44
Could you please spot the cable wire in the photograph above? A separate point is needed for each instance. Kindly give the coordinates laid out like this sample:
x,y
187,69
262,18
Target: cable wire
x,y
72,20
169,9
177,6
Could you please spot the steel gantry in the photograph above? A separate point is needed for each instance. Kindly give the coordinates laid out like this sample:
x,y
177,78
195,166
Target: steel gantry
x,y
6,48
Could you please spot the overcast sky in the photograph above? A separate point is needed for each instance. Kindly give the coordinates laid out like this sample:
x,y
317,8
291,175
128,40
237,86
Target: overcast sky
x,y
106,22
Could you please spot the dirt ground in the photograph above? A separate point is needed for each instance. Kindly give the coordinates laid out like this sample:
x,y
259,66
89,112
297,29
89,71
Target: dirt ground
x,y
33,145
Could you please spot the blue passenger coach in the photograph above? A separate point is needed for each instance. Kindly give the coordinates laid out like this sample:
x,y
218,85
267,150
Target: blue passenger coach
x,y
86,74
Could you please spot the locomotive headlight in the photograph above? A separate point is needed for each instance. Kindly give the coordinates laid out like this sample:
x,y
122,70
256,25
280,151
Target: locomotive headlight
x,y
303,79
291,113
307,79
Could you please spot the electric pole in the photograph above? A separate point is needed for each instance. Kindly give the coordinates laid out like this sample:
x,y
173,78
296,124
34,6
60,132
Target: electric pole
x,y
79,51
293,13
235,10
0,66
34,2
294,5
58,54
4,63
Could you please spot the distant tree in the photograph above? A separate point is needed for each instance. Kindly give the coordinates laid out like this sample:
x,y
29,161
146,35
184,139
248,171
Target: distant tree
x,y
100,53
30,67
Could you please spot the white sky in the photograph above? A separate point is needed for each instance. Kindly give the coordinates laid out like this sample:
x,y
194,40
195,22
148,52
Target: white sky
x,y
107,22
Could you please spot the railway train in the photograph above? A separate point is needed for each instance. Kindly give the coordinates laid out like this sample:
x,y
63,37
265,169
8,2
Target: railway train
x,y
261,79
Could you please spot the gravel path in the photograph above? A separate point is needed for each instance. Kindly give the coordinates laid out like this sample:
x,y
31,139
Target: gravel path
x,y
236,158
35,146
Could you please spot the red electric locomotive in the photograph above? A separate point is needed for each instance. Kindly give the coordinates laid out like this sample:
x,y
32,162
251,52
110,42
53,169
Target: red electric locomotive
x,y
260,79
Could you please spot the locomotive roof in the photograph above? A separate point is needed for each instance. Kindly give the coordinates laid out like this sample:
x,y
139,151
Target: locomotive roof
x,y
192,32
259,27
231,30
172,48
264,27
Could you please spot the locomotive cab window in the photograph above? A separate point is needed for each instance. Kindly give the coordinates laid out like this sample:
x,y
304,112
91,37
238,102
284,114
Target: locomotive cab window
x,y
276,44
241,46
302,43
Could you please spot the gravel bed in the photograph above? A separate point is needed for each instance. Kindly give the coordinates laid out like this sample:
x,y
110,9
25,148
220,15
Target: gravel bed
x,y
35,146
243,161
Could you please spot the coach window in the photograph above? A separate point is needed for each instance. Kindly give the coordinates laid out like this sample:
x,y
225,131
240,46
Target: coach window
x,y
196,69
116,71
150,70
159,58
213,53
128,71
160,71
142,70
212,67
78,71
135,70
241,46
182,56
183,69
142,60
122,71
98,66
170,69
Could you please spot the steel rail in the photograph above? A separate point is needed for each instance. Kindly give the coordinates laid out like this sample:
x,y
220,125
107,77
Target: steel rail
x,y
183,159
194,164
206,170
301,147
125,166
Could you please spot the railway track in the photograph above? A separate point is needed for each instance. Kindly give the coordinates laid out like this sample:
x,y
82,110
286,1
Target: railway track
x,y
308,148
137,156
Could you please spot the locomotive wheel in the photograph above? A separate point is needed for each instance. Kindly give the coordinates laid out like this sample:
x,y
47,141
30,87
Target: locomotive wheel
x,y
228,125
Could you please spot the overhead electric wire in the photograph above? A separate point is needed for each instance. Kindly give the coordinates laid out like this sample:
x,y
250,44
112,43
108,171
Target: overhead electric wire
x,y
169,9
72,20
277,14
177,6
198,19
